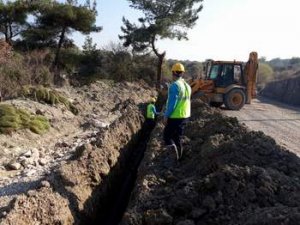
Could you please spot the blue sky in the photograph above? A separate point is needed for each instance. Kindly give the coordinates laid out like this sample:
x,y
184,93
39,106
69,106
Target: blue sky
x,y
226,29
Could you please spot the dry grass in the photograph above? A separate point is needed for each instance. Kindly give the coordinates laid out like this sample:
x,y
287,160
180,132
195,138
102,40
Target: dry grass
x,y
19,70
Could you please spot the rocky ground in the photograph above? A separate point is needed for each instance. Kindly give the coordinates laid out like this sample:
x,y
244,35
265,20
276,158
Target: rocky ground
x,y
229,175
30,161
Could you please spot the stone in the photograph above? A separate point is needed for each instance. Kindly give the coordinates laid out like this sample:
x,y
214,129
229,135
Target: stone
x,y
42,162
3,214
39,112
35,153
30,172
45,183
14,166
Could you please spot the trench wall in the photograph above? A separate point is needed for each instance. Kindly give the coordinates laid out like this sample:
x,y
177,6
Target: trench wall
x,y
76,193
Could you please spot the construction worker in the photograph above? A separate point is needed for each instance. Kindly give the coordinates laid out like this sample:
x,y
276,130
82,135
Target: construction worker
x,y
178,110
150,114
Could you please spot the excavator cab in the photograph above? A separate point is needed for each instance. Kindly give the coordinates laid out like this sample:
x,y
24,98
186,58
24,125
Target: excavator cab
x,y
226,73
231,83
228,84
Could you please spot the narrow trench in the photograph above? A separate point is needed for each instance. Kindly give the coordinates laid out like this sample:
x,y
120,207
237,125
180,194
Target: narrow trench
x,y
119,198
121,182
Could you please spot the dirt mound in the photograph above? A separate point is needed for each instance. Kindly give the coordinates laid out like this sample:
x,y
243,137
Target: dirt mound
x,y
93,146
286,91
229,175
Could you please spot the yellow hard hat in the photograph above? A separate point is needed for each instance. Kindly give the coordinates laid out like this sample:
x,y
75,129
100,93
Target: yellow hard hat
x,y
152,99
178,67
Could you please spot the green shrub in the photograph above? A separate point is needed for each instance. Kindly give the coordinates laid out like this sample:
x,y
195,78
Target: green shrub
x,y
49,96
7,110
12,119
39,125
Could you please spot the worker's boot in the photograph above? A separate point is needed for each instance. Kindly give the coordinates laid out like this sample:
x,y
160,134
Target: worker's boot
x,y
173,147
180,152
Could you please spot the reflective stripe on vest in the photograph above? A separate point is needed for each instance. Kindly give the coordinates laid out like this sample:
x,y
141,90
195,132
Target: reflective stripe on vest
x,y
183,106
150,113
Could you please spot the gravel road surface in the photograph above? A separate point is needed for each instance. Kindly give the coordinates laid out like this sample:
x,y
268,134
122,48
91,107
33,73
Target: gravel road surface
x,y
278,120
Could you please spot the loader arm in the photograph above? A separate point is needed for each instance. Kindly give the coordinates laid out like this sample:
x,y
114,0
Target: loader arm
x,y
251,75
206,86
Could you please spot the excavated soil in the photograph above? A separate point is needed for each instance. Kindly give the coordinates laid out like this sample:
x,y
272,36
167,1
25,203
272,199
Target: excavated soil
x,y
286,91
229,175
76,187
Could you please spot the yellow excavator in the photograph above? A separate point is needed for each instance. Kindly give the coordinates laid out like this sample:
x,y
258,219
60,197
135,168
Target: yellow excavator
x,y
232,83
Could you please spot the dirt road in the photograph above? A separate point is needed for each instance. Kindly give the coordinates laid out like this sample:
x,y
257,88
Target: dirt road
x,y
280,121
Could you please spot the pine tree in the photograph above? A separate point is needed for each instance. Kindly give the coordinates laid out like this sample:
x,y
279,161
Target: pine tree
x,y
13,16
56,21
162,19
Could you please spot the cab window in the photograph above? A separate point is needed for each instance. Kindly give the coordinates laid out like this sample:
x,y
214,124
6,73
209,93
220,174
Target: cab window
x,y
237,74
214,71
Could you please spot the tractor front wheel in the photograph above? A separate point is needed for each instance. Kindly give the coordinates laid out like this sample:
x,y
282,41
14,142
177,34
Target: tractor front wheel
x,y
235,99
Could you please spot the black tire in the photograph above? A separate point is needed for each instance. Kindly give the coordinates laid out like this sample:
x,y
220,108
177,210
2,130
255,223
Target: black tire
x,y
235,99
216,104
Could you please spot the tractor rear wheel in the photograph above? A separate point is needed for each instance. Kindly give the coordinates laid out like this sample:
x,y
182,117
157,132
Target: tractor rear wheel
x,y
235,99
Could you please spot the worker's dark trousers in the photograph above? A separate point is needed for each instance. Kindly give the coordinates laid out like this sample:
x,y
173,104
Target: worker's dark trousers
x,y
150,124
173,132
148,127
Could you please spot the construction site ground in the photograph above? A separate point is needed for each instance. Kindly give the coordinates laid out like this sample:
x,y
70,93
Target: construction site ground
x,y
278,120
229,175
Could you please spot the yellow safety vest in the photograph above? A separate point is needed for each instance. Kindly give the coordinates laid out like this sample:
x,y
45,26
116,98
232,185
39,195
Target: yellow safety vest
x,y
150,114
183,107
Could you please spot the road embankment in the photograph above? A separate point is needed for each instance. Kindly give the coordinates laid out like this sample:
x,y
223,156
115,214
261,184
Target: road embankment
x,y
286,91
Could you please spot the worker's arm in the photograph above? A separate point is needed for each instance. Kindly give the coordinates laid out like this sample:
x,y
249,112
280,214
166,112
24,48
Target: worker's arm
x,y
154,110
173,94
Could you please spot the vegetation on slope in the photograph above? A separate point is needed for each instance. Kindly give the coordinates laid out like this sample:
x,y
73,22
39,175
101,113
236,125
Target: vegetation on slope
x,y
12,119
49,96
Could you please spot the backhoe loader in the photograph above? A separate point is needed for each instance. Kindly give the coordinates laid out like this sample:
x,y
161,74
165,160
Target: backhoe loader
x,y
232,83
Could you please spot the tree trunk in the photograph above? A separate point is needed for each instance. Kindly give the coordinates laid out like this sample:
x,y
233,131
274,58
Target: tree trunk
x,y
159,66
6,35
61,40
160,60
57,78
